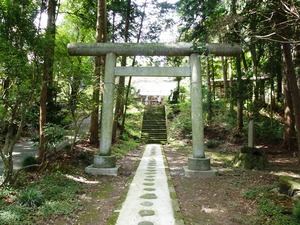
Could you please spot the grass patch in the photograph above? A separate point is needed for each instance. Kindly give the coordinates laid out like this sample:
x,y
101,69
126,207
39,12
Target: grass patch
x,y
272,208
124,147
49,196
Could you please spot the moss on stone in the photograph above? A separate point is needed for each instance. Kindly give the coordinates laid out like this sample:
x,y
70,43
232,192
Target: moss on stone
x,y
250,158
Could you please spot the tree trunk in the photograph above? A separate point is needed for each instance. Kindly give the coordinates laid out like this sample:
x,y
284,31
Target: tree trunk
x,y
289,120
12,136
254,69
224,71
121,87
239,97
209,94
230,89
101,37
130,78
292,81
47,74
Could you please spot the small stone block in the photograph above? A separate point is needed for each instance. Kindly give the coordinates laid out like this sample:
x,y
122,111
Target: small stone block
x,y
104,161
102,171
148,184
202,164
201,174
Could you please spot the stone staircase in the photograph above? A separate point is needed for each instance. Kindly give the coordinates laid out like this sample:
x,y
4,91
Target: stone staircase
x,y
154,125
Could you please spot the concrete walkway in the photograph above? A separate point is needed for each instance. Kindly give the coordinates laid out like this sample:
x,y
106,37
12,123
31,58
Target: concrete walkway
x,y
148,200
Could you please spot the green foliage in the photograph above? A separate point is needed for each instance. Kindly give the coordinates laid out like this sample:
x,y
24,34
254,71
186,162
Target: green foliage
x,y
54,134
212,143
296,210
29,161
199,19
133,126
51,208
31,198
270,210
266,129
57,187
124,147
51,195
14,215
259,191
182,121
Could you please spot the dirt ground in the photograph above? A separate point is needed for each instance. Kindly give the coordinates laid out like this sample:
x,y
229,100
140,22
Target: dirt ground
x,y
217,200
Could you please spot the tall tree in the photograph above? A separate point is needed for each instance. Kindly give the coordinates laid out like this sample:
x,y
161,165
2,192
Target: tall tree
x,y
101,36
18,73
47,77
121,86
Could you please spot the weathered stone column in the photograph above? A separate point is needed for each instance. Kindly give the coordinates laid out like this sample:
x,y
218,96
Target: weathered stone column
x,y
198,165
107,105
251,134
105,163
196,107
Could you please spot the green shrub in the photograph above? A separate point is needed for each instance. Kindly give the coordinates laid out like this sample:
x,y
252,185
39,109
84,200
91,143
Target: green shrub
x,y
267,129
269,207
29,161
296,210
212,143
54,134
30,198
183,121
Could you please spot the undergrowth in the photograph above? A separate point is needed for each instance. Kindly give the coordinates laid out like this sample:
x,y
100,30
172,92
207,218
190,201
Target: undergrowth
x,y
50,195
272,209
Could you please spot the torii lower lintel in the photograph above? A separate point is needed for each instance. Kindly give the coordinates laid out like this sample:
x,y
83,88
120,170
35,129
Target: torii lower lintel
x,y
152,49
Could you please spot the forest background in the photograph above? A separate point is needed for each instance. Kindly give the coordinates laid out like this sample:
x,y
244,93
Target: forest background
x,y
43,90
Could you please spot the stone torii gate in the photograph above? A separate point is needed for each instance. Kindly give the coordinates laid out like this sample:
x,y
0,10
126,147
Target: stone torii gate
x,y
104,162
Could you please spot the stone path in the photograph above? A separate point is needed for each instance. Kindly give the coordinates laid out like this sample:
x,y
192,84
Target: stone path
x,y
148,201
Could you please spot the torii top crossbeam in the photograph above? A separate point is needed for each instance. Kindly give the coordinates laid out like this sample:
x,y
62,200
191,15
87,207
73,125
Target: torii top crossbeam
x,y
152,49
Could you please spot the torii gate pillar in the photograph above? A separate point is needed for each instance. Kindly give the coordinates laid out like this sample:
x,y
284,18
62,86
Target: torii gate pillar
x,y
104,162
198,164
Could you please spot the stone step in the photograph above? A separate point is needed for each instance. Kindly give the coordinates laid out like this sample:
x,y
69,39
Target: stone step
x,y
151,131
154,125
156,135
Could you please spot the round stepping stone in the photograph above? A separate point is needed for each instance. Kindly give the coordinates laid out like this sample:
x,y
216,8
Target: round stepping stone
x,y
154,165
148,196
145,223
149,189
150,172
151,167
149,179
148,184
146,213
147,203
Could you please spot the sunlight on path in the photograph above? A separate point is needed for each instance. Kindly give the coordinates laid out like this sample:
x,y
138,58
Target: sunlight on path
x,y
148,200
